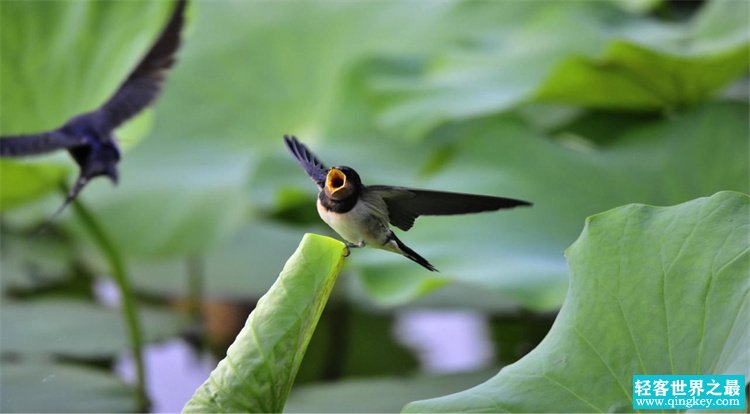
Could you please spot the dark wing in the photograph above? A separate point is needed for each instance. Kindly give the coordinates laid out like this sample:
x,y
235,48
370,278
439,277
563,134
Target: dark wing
x,y
406,204
144,84
21,145
313,167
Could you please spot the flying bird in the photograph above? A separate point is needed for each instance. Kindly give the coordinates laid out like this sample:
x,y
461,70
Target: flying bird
x,y
361,213
89,138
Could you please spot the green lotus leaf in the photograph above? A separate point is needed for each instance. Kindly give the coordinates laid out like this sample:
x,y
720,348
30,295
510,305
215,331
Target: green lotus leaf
x,y
653,290
260,366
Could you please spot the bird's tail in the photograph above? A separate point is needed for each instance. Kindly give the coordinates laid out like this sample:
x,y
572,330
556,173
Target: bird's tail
x,y
411,254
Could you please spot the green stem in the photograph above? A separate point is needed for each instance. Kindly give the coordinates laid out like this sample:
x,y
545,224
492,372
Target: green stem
x,y
195,270
119,273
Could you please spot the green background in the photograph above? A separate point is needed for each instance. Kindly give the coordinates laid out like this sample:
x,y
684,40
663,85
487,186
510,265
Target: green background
x,y
579,107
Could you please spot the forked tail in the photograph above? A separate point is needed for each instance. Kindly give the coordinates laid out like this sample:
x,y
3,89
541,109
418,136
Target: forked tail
x,y
411,254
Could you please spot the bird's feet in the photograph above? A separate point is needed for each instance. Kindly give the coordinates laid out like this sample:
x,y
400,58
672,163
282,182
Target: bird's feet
x,y
350,246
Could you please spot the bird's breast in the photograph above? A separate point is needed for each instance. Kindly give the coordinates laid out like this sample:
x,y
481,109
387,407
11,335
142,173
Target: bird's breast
x,y
356,225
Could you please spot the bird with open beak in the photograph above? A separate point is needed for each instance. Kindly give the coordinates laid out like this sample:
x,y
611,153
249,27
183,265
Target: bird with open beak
x,y
361,214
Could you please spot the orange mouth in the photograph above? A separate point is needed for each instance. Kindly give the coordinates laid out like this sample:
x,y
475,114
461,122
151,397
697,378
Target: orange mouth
x,y
335,181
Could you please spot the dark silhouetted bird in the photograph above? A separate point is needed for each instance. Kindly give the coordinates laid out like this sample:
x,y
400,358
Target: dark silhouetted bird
x,y
89,137
360,213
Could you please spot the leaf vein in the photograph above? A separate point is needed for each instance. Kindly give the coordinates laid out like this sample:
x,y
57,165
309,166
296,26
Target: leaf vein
x,y
699,361
729,333
593,348
632,337
559,384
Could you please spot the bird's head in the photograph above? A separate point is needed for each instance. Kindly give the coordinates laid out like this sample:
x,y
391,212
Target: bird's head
x,y
342,183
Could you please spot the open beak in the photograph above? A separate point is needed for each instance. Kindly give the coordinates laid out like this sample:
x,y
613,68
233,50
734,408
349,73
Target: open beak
x,y
335,180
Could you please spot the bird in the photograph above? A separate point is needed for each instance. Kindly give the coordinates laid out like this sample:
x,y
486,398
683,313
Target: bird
x,y
361,213
89,138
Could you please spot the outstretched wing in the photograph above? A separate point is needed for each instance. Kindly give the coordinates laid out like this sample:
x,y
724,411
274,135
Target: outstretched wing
x,y
406,204
313,167
137,92
33,144
144,84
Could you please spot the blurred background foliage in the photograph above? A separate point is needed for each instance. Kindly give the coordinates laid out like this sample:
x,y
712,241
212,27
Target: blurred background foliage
x,y
577,106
